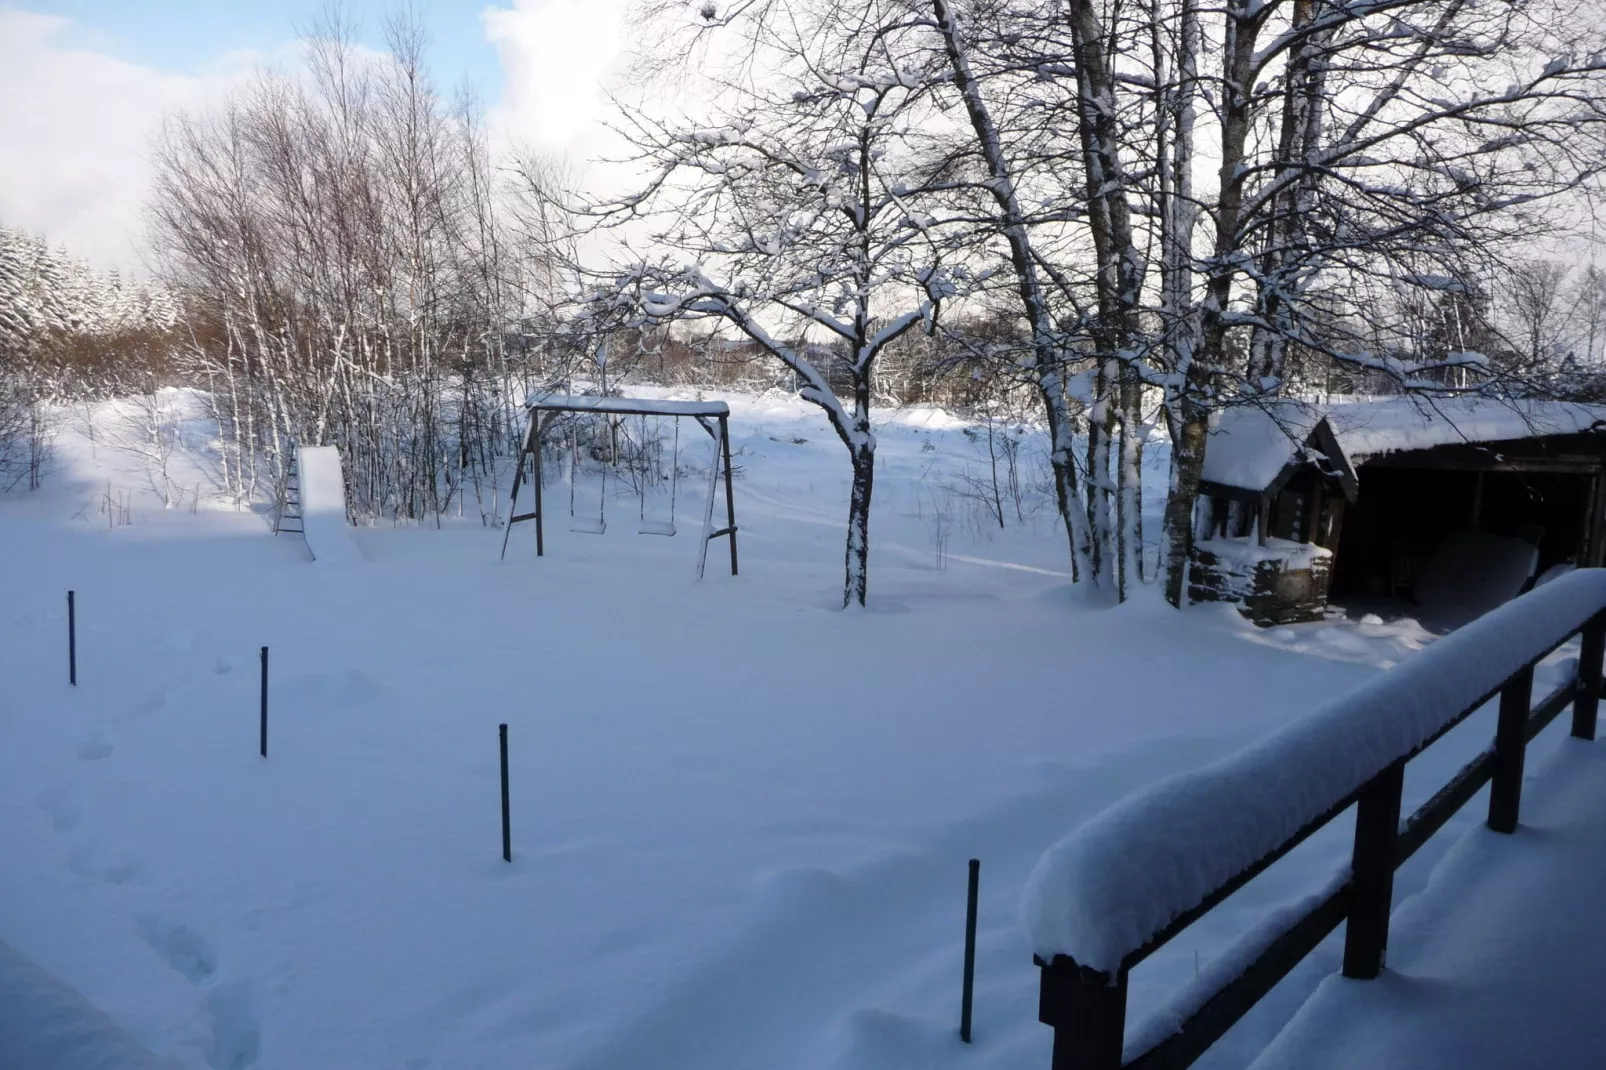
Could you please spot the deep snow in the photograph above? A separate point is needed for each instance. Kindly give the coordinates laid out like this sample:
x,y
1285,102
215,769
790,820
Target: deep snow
x,y
1107,889
741,817
1500,962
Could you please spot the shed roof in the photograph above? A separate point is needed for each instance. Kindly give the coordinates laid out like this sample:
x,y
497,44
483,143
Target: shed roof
x,y
1251,446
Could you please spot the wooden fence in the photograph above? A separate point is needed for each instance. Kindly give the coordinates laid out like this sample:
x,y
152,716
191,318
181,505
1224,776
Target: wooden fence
x,y
1087,1007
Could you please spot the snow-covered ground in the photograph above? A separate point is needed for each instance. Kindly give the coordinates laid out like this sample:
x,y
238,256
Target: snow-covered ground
x,y
741,816
1499,962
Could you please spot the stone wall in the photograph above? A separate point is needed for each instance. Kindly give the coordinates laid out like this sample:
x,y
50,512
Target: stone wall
x,y
1268,586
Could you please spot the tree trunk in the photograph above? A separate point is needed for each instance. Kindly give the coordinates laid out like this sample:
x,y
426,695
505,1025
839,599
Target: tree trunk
x,y
858,556
1190,411
1131,482
1187,463
1047,367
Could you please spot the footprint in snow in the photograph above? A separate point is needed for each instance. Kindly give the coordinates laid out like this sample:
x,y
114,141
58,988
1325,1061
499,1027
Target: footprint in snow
x,y
149,704
236,1026
61,805
93,750
117,868
231,1006
180,947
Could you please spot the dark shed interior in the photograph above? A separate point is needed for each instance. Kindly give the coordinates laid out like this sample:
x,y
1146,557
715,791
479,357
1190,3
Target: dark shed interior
x,y
1543,492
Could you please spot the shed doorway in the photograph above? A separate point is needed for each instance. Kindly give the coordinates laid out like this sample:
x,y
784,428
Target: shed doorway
x,y
1421,535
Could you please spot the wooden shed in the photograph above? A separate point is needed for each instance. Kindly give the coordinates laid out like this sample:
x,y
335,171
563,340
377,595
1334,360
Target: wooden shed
x,y
1451,504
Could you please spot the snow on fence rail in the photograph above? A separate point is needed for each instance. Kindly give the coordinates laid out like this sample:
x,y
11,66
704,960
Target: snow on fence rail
x,y
1119,887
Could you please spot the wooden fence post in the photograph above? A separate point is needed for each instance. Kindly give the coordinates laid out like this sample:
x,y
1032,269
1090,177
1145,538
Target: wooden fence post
x,y
1377,827
1510,743
1087,1010
1586,703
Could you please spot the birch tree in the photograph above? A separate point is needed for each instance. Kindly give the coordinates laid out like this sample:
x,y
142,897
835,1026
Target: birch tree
x,y
1275,157
350,278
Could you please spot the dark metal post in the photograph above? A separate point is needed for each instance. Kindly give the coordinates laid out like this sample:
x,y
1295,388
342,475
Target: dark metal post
x,y
512,505
1510,743
1586,703
970,950
1377,826
535,459
1088,1012
72,640
507,820
730,491
264,746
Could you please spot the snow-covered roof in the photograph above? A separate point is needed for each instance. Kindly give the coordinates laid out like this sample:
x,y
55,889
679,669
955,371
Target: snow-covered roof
x,y
1372,428
1249,447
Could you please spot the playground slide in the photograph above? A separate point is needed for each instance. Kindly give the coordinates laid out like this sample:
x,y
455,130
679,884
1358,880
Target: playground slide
x,y
323,506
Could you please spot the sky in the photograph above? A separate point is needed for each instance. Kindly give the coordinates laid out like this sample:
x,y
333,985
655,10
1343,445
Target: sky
x,y
86,83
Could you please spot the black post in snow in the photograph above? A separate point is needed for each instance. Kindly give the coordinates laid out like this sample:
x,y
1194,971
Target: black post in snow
x,y
264,702
72,640
970,950
507,822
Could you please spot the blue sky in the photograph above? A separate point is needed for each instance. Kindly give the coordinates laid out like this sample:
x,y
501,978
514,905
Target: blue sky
x,y
189,35
86,84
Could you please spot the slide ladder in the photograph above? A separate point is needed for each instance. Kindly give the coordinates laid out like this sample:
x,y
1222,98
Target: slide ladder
x,y
288,518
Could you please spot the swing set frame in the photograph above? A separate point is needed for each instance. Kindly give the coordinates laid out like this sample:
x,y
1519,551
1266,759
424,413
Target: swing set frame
x,y
712,416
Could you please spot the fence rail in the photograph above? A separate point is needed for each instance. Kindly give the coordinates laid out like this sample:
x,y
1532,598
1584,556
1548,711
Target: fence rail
x,y
1086,1006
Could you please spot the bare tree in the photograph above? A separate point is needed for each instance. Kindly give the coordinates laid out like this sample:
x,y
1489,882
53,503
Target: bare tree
x,y
802,218
1534,301
147,425
1589,305
350,277
1390,142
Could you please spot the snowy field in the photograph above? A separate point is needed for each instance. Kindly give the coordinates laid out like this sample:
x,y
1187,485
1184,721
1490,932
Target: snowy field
x,y
741,817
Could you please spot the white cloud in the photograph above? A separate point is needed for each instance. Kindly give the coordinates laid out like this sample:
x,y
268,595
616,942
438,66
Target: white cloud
x,y
75,135
77,124
559,57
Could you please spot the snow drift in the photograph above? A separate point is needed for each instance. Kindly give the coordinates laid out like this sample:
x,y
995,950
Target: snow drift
x,y
47,1025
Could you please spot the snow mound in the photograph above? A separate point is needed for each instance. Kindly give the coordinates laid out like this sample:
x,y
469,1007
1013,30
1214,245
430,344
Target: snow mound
x,y
348,687
47,1025
323,506
1472,572
1112,885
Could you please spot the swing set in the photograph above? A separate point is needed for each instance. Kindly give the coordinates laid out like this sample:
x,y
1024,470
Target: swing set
x,y
712,416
